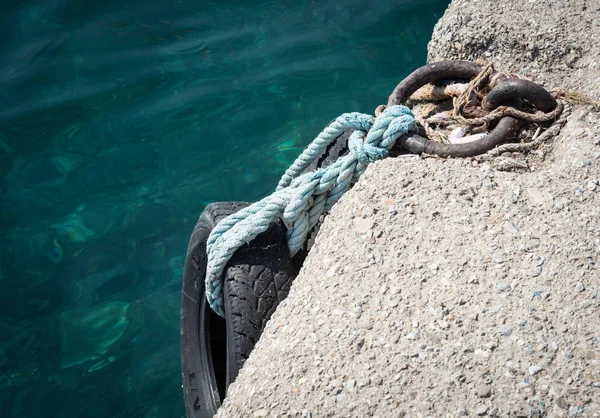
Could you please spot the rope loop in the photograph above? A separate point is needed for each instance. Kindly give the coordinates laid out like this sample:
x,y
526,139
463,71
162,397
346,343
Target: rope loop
x,y
300,199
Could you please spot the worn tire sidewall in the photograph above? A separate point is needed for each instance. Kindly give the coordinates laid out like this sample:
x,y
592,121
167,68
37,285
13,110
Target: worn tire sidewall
x,y
200,393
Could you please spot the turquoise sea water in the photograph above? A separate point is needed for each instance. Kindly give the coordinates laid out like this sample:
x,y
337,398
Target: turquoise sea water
x,y
119,121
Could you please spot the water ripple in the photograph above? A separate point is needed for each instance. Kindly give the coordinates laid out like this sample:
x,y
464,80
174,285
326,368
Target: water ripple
x,y
119,122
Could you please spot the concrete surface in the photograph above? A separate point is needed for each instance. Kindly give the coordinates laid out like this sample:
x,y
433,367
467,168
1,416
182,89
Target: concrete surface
x,y
447,287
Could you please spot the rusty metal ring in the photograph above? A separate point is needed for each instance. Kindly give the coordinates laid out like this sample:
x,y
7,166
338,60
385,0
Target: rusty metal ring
x,y
431,73
524,89
506,128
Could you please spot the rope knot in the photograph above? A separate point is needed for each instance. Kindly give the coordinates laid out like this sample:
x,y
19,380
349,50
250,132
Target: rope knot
x,y
363,152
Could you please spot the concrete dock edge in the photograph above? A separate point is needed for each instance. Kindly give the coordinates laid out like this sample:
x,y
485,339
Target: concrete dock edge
x,y
451,287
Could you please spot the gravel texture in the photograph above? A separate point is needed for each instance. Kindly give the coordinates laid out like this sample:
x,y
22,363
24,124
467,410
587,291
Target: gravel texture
x,y
553,42
448,287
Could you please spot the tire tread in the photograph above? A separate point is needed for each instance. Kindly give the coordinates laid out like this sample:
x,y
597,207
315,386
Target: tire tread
x,y
257,280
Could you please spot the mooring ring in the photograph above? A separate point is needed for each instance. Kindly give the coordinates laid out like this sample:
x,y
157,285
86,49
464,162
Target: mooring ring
x,y
506,128
517,88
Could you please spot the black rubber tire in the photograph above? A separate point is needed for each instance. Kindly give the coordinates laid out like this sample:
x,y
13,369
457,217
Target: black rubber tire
x,y
257,279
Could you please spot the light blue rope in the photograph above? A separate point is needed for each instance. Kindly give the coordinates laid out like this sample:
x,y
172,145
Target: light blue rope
x,y
301,199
